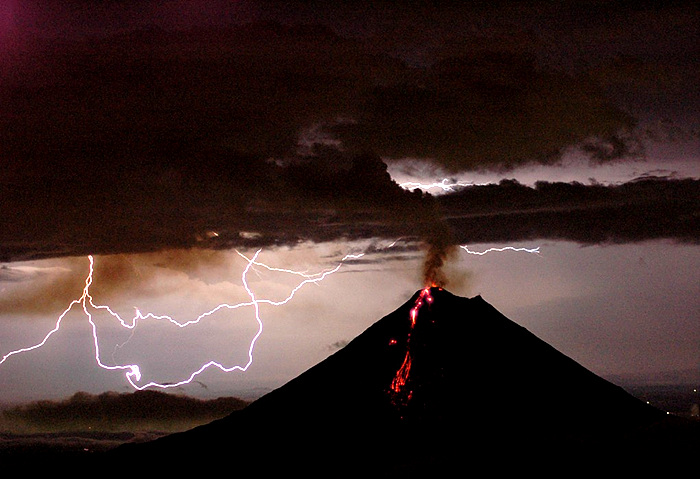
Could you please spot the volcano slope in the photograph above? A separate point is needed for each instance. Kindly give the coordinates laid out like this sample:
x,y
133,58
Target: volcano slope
x,y
481,391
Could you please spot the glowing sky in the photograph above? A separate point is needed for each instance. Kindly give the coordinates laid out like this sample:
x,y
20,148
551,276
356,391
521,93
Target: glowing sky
x,y
160,136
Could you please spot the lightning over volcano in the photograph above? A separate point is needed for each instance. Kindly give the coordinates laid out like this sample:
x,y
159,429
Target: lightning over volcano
x,y
181,183
439,249
458,385
133,372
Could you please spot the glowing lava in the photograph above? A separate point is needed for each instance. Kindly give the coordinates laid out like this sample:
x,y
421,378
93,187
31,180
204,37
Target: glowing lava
x,y
401,378
132,371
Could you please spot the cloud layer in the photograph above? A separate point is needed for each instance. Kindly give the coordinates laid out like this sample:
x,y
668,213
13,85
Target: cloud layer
x,y
650,208
151,127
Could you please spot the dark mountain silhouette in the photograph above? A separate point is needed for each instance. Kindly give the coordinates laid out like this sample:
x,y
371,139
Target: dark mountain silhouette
x,y
484,391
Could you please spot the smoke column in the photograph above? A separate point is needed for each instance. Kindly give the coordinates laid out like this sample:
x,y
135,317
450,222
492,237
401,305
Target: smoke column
x,y
440,247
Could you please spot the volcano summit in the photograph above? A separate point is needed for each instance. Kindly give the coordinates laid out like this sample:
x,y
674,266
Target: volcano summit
x,y
481,390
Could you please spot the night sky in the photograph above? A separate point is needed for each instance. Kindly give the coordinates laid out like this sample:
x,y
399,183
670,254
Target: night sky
x,y
165,137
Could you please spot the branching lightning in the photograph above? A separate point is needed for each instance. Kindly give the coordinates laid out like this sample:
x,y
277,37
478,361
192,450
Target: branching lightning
x,y
132,371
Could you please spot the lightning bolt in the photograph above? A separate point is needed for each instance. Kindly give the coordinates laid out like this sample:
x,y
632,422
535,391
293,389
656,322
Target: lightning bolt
x,y
444,184
132,372
505,248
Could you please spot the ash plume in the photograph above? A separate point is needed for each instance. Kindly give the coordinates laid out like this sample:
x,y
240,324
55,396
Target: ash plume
x,y
441,246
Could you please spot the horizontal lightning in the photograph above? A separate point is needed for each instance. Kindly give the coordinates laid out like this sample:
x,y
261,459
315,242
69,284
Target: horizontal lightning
x,y
505,248
445,184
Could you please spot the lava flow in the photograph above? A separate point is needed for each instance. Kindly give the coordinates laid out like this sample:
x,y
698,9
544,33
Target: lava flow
x,y
401,378
437,254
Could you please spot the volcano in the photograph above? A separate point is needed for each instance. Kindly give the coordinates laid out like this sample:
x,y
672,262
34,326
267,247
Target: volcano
x,y
481,388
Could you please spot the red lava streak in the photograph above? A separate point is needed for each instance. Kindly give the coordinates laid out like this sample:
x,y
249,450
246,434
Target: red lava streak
x,y
399,381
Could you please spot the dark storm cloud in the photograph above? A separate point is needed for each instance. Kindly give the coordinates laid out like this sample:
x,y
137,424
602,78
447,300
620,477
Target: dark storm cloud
x,y
133,126
284,206
650,208
150,139
489,110
161,99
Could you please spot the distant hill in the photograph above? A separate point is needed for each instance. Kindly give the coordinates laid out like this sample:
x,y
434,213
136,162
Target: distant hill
x,y
86,423
116,412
